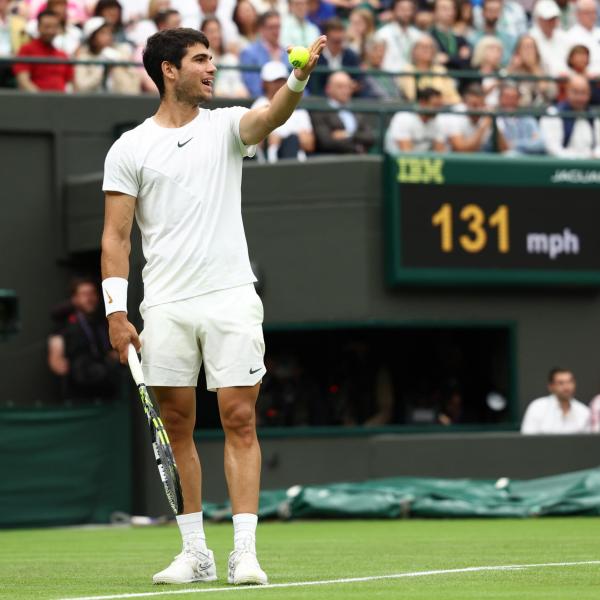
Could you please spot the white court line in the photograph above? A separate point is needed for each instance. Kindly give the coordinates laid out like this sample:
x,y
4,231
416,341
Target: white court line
x,y
199,590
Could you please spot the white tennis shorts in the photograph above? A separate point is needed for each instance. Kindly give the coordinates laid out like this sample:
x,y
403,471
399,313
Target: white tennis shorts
x,y
223,329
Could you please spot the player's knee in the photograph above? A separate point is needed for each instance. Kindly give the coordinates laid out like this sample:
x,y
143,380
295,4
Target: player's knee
x,y
240,422
179,425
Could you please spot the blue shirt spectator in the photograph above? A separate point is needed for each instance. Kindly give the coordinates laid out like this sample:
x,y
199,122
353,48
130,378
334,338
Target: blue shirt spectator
x,y
264,50
320,11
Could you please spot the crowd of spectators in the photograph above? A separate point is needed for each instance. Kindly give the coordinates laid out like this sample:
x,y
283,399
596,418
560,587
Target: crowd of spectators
x,y
453,55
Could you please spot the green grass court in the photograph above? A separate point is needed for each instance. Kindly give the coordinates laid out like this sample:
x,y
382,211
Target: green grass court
x,y
54,564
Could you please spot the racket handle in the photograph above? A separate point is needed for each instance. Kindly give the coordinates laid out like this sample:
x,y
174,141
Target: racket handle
x,y
134,365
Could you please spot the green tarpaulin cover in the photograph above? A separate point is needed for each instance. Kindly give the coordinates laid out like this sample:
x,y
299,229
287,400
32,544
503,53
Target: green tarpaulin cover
x,y
575,493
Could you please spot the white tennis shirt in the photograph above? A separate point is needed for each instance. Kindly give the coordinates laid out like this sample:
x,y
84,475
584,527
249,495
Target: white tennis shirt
x,y
187,181
545,415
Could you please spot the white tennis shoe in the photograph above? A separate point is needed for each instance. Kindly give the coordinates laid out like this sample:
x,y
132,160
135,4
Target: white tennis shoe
x,y
243,568
190,566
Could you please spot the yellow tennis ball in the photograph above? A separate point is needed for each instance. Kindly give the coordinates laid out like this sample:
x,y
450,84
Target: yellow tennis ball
x,y
298,57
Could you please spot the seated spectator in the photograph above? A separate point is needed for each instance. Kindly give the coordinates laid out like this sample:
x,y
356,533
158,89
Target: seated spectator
x,y
69,37
578,62
487,59
295,138
491,11
265,49
423,57
471,133
559,412
193,12
399,35
99,45
377,86
454,51
521,133
572,137
512,21
228,82
245,18
417,132
142,29
296,29
567,13
77,10
424,17
112,12
526,60
361,28
35,78
341,131
335,55
263,6
464,21
585,32
551,41
12,37
320,11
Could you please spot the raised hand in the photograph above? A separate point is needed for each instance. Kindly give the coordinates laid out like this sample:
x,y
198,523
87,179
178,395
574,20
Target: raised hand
x,y
314,50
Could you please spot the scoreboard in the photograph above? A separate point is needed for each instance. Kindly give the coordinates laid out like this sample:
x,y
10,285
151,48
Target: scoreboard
x,y
492,221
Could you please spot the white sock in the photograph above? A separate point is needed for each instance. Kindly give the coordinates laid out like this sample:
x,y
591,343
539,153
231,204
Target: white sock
x,y
192,530
244,531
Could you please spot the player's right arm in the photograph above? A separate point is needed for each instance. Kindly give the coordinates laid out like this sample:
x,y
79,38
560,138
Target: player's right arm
x,y
119,211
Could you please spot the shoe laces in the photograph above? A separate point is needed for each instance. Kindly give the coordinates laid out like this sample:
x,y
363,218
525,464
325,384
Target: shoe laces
x,y
191,554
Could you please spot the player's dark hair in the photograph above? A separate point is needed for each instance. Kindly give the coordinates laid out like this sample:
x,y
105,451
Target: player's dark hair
x,y
46,13
333,24
76,282
555,371
427,93
169,45
162,16
262,19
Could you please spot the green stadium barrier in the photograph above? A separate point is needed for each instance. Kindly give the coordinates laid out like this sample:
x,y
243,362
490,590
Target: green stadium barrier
x,y
64,466
576,493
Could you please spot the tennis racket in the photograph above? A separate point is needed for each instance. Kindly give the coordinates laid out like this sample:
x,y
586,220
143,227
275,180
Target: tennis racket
x,y
165,461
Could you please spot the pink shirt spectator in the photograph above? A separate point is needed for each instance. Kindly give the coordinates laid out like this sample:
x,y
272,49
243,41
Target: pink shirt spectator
x,y
76,9
595,414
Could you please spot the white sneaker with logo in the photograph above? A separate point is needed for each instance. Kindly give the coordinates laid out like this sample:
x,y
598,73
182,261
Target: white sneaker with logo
x,y
243,568
190,566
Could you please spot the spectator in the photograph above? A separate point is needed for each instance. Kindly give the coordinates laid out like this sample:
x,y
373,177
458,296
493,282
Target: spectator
x,y
417,132
521,133
568,136
559,412
295,138
454,51
335,56
69,37
341,131
595,414
491,11
320,11
550,39
464,22
99,45
77,10
93,368
399,35
578,62
512,22
12,37
585,32
245,18
193,12
361,28
471,133
35,78
265,49
423,57
567,13
140,31
228,82
487,59
526,60
377,86
263,6
296,29
424,18
112,12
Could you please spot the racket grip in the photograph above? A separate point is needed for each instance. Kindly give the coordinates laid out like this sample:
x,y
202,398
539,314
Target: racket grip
x,y
134,365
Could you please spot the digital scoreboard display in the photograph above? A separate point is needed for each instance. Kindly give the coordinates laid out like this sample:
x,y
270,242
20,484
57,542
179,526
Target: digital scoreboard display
x,y
495,221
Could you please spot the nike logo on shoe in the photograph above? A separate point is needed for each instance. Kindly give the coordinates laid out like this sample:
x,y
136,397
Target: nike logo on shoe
x,y
180,145
255,370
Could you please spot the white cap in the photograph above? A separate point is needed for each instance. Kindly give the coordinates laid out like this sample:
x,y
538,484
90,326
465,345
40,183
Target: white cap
x,y
92,25
273,70
546,9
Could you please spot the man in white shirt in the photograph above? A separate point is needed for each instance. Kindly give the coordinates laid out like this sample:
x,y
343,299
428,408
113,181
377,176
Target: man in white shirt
x,y
399,36
179,173
551,40
295,138
559,412
568,136
586,32
417,132
513,18
296,29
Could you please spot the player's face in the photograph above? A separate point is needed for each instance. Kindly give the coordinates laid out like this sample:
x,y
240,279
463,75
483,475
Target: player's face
x,y
195,78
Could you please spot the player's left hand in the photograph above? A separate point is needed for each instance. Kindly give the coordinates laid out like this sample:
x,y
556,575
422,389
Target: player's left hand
x,y
314,50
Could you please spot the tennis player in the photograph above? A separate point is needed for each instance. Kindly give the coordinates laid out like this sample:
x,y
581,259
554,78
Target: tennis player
x,y
180,173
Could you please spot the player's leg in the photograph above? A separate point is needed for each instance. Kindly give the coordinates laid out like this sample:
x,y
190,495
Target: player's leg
x,y
237,408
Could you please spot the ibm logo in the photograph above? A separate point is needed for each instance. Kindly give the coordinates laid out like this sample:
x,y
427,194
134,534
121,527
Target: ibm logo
x,y
420,170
